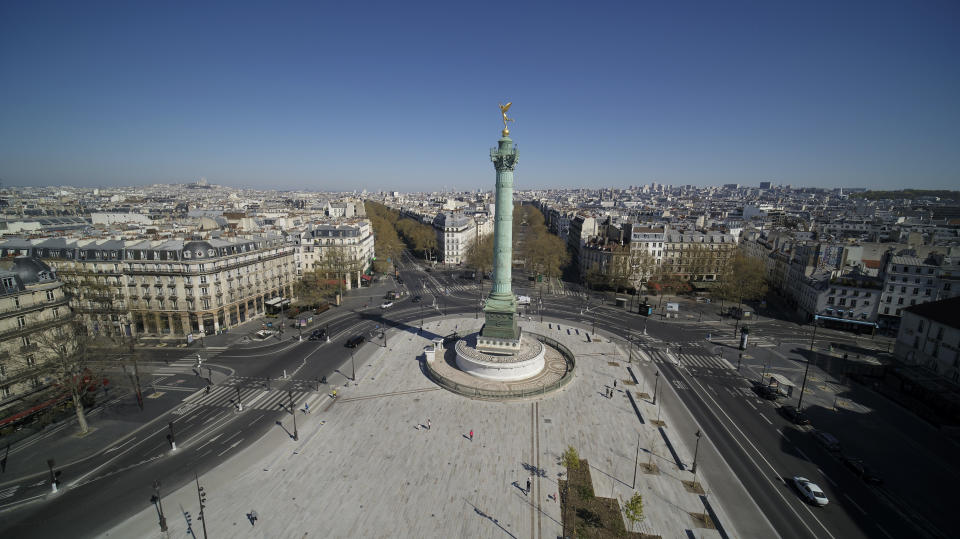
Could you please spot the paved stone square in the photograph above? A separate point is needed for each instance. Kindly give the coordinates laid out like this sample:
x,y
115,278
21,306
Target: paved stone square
x,y
367,466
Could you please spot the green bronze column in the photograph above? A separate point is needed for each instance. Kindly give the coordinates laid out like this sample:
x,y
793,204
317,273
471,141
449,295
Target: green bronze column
x,y
500,311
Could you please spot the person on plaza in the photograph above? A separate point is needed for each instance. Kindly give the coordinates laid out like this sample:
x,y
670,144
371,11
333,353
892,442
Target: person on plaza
x,y
471,435
528,485
428,424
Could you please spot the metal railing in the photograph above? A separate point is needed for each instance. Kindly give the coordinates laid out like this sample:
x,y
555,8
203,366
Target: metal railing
x,y
477,393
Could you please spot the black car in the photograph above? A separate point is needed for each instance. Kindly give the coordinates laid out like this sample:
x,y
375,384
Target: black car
x,y
318,334
795,416
766,392
417,299
861,470
355,341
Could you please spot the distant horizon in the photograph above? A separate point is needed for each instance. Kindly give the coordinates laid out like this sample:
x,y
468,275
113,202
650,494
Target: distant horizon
x,y
856,94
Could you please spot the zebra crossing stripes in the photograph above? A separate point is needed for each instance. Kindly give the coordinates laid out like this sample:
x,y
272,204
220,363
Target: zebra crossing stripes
x,y
9,492
258,399
704,361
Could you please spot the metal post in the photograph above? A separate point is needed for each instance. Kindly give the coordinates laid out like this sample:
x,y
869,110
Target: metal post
x,y
171,439
53,476
655,384
353,367
636,462
293,410
159,505
807,368
695,450
202,496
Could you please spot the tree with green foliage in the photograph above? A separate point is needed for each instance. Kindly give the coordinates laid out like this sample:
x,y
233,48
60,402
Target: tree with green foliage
x,y
633,508
570,459
479,255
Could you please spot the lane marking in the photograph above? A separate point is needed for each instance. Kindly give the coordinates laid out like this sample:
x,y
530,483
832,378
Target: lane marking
x,y
765,418
208,442
849,499
825,476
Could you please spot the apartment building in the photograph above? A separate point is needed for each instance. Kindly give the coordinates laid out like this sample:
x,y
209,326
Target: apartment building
x,y
33,306
909,281
455,233
342,250
929,337
167,287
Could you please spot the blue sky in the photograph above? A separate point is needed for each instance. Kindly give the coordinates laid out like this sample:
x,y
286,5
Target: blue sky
x,y
394,95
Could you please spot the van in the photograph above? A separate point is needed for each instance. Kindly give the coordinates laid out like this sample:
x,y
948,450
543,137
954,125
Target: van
x,y
355,341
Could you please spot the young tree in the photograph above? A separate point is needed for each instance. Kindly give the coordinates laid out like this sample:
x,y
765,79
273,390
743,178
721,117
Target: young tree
x,y
633,508
570,459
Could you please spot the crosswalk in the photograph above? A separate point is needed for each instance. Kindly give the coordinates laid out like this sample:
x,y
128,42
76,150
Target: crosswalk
x,y
9,492
696,360
225,396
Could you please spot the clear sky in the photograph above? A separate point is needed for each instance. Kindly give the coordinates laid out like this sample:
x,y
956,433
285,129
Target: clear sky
x,y
403,95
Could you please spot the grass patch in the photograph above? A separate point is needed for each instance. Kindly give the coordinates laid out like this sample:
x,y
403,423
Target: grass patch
x,y
586,515
702,520
613,364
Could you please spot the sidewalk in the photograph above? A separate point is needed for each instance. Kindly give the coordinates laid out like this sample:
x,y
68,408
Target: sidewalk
x,y
368,466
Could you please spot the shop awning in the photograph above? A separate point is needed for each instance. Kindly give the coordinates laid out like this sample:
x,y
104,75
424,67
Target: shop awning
x,y
366,277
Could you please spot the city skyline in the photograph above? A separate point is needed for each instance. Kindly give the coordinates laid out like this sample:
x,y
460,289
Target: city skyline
x,y
859,95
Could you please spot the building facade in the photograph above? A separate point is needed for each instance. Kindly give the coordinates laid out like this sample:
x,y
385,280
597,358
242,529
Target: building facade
x,y
33,307
172,287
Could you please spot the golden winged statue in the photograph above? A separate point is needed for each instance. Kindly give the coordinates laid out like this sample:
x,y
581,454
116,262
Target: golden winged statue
x,y
503,112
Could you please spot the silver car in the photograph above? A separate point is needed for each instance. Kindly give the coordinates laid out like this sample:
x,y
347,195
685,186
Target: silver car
x,y
810,491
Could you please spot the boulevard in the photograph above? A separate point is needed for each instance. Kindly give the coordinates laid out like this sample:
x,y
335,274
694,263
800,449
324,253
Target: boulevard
x,y
708,378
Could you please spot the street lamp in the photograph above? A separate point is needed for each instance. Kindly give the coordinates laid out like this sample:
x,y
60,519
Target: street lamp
x,y
293,411
202,496
655,384
155,499
695,451
54,477
171,439
807,368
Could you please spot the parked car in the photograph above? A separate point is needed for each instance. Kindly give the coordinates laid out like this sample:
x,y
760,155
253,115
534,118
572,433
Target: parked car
x,y
355,341
386,305
861,470
827,440
318,334
810,491
795,416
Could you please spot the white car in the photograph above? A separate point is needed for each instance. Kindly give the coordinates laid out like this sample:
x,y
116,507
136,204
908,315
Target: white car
x,y
386,304
810,491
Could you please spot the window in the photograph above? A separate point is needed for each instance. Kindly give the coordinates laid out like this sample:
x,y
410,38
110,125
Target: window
x,y
926,292
843,301
853,303
897,312
916,291
4,391
886,310
8,282
50,295
903,290
899,302
913,302
16,302
830,300
930,271
56,312
21,322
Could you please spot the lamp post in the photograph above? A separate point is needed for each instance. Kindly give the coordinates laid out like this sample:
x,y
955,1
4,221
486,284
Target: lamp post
x,y
202,496
807,368
695,451
159,505
293,411
353,367
54,477
171,439
656,382
636,462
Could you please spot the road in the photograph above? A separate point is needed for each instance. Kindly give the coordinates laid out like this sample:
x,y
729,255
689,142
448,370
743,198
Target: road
x,y
745,432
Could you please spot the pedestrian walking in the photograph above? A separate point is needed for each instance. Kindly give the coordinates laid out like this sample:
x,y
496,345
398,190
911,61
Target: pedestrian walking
x,y
306,407
428,424
614,384
471,435
528,485
252,515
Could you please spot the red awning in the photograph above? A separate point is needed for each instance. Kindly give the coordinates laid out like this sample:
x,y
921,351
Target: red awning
x,y
366,277
33,410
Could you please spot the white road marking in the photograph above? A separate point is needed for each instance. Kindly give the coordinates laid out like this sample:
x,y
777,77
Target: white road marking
x,y
825,476
765,418
112,449
847,496
234,444
879,527
208,442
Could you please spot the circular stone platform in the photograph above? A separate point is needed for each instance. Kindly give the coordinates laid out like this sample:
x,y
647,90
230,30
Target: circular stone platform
x,y
556,373
525,363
